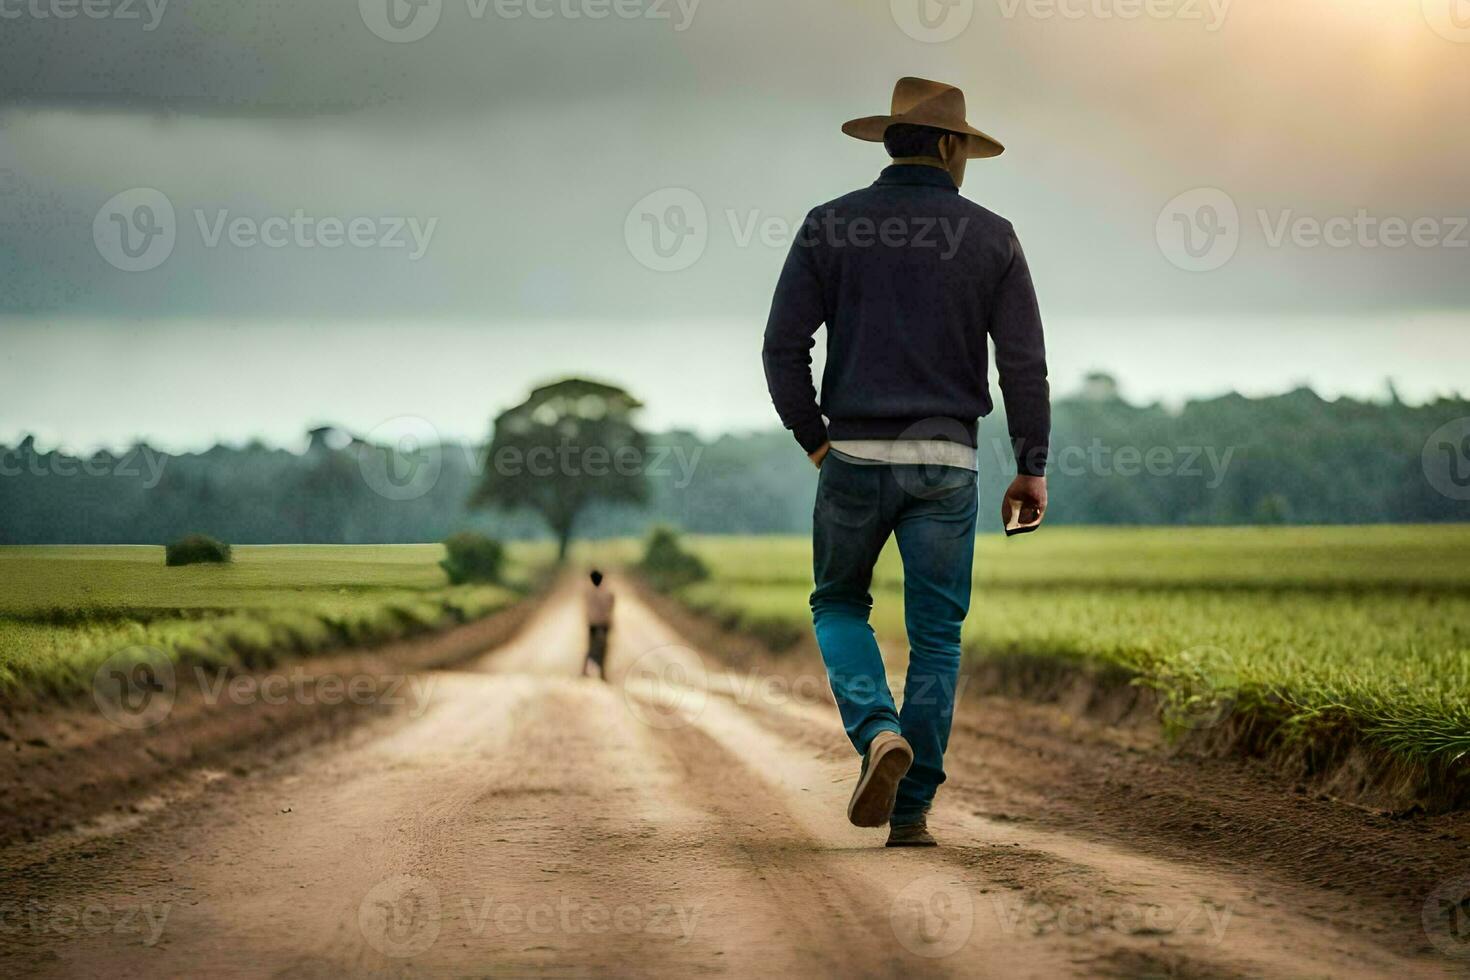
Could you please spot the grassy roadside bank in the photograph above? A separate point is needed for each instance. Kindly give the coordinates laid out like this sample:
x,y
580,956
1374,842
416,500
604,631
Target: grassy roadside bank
x,y
1317,641
65,609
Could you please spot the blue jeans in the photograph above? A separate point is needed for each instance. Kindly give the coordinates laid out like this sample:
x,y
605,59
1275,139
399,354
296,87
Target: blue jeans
x,y
931,510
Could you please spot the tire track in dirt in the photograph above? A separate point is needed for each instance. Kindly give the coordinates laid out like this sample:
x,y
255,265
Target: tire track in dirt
x,y
675,821
1107,907
527,822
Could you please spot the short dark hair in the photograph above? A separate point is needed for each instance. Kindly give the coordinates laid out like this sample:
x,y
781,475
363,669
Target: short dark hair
x,y
908,140
596,577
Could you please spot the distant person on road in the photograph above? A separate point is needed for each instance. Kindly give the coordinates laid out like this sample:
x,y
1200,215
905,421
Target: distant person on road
x,y
598,600
910,279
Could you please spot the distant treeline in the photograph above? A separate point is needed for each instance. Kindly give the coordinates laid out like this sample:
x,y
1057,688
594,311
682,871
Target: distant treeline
x,y
1293,458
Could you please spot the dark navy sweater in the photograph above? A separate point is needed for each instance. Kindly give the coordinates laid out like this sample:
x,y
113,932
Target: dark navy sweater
x,y
910,278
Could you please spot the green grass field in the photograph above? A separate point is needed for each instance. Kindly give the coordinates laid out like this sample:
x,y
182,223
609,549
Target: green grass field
x,y
1364,627
63,610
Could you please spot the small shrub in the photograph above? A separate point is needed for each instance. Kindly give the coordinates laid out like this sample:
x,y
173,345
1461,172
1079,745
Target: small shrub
x,y
779,635
473,557
196,549
667,565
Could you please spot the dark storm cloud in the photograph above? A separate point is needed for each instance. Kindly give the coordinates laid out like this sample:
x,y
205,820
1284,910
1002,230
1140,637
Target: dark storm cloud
x,y
525,140
282,58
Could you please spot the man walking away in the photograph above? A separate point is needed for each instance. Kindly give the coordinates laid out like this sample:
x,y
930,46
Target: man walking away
x,y
910,279
598,601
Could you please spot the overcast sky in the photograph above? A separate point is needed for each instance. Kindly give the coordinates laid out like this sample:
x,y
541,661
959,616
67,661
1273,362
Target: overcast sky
x,y
220,220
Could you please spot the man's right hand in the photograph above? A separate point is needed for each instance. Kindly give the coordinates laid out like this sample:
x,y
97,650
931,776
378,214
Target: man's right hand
x,y
1028,494
819,455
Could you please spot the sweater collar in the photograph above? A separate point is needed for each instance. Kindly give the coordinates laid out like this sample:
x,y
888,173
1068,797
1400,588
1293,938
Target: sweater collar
x,y
916,173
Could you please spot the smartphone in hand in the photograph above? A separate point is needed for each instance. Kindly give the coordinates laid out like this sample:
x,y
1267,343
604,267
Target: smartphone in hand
x,y
1014,525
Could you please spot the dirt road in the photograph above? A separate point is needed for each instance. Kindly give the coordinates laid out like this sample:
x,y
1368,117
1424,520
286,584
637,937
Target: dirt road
x,y
519,820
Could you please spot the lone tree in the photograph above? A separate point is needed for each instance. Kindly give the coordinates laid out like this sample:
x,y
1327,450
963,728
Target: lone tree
x,y
569,444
